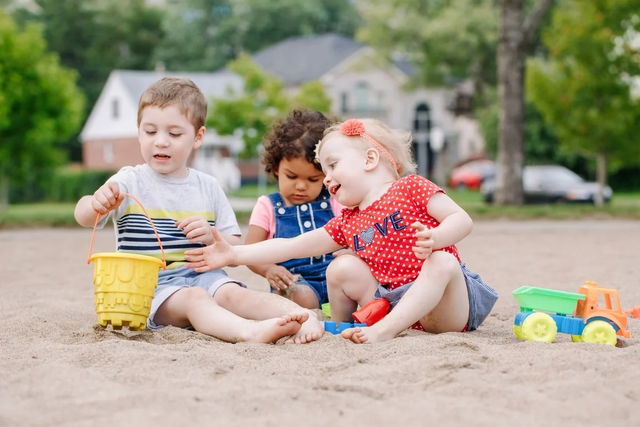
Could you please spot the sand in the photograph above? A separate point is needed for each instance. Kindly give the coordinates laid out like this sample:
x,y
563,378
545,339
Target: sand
x,y
58,368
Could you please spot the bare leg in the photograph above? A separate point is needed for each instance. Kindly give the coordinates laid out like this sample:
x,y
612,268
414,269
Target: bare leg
x,y
349,283
195,307
304,296
438,298
257,305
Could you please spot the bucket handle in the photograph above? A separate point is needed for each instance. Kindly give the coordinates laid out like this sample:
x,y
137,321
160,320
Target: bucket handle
x,y
155,231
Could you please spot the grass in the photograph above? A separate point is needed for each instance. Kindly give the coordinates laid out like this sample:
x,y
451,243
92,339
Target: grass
x,y
622,206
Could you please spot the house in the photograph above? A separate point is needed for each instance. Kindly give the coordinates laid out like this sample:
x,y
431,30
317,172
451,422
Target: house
x,y
362,84
110,135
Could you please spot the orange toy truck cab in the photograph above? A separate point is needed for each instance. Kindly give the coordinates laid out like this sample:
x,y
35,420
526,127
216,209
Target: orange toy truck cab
x,y
602,303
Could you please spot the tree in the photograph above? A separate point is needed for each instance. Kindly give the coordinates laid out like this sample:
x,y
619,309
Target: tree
x,y
94,37
448,41
586,89
249,113
515,41
40,105
203,35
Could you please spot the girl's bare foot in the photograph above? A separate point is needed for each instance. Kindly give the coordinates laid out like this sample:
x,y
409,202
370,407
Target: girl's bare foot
x,y
270,330
311,330
365,335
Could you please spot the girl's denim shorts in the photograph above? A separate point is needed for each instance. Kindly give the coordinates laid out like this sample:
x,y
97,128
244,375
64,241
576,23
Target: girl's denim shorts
x,y
482,297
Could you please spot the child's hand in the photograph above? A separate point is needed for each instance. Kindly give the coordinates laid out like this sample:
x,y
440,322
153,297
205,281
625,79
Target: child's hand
x,y
106,198
217,255
197,229
279,278
424,243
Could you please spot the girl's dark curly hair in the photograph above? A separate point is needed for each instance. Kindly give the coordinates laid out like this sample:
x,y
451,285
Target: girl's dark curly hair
x,y
293,137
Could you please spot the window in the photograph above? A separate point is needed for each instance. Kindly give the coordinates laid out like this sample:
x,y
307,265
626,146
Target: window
x,y
107,153
362,97
115,108
344,102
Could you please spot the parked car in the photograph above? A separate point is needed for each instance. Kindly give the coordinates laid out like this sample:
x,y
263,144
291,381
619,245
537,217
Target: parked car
x,y
470,175
552,183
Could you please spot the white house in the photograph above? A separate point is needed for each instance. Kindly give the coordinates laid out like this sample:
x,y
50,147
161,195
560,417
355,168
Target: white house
x,y
109,137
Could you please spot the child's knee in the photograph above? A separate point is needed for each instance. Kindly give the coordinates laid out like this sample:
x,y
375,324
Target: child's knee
x,y
228,293
442,263
304,296
343,267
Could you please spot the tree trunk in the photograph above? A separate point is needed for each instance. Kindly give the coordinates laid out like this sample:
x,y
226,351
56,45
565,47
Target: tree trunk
x,y
511,98
513,43
601,177
4,191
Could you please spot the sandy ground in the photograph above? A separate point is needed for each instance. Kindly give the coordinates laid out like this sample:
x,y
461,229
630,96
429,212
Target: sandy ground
x,y
58,368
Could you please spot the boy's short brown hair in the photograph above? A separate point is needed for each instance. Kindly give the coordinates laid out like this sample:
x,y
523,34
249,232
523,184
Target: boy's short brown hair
x,y
178,91
292,137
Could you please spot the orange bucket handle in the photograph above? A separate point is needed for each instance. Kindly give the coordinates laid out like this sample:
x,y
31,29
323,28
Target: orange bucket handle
x,y
155,231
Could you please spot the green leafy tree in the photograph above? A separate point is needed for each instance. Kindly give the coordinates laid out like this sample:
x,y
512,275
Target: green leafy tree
x,y
250,112
448,40
203,35
588,89
40,105
94,37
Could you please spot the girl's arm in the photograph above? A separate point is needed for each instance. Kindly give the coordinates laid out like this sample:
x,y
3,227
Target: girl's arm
x,y
278,277
221,254
455,224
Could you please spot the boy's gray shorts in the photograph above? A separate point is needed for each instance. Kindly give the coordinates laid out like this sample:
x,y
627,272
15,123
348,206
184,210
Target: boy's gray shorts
x,y
171,281
482,297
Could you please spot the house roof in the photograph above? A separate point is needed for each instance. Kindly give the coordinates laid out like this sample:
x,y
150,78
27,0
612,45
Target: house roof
x,y
301,59
211,84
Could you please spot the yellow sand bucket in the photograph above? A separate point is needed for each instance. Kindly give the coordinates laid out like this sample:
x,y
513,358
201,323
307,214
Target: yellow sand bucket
x,y
124,283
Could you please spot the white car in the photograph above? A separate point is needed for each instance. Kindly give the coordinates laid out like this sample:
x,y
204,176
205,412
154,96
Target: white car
x,y
551,184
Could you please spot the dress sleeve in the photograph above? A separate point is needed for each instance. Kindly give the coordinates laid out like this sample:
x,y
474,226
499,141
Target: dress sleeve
x,y
419,190
262,215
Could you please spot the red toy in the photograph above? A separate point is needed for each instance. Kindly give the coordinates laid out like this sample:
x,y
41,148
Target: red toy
x,y
372,312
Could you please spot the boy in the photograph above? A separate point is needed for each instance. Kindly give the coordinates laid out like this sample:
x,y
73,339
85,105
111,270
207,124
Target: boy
x,y
184,205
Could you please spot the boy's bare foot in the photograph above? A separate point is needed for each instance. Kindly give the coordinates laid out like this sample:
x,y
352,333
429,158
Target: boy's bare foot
x,y
311,330
270,330
365,335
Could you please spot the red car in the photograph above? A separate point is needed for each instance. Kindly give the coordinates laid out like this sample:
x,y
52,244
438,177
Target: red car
x,y
470,175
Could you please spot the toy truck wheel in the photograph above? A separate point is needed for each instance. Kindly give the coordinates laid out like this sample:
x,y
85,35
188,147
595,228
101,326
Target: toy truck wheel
x,y
517,332
539,327
599,332
577,338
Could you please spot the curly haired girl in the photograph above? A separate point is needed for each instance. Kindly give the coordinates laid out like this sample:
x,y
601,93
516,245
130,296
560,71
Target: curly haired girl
x,y
300,205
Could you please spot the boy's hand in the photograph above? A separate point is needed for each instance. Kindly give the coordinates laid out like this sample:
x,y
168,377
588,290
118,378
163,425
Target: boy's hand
x,y
279,278
424,243
197,229
217,255
107,198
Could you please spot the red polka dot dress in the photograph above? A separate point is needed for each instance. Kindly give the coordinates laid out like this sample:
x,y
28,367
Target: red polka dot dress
x,y
382,235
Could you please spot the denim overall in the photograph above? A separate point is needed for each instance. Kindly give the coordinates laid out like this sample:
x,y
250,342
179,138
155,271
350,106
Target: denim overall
x,y
292,221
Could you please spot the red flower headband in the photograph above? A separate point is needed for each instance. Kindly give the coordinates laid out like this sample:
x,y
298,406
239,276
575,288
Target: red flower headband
x,y
354,127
